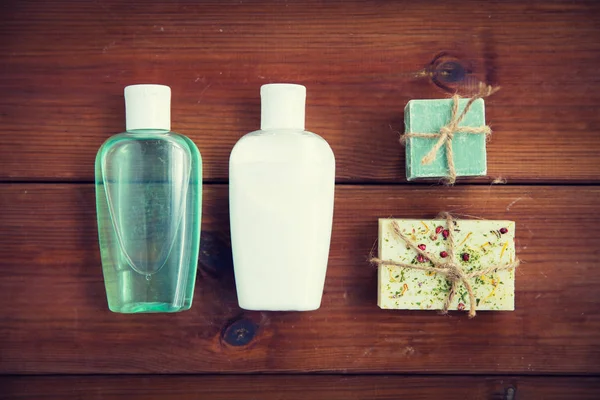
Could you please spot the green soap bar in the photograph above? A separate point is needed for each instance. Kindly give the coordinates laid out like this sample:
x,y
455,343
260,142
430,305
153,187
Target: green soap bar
x,y
429,116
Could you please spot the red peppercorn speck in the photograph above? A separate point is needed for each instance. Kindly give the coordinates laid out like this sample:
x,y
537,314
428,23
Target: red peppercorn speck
x,y
444,254
422,246
438,229
503,230
466,256
445,233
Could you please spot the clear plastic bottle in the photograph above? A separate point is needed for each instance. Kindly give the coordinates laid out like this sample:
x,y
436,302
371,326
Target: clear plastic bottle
x,y
282,181
148,195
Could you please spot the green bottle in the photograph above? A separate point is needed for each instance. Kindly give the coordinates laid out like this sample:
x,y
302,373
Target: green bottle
x,y
149,197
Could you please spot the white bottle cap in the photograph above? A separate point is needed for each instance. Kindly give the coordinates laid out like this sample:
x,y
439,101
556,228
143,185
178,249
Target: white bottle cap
x,y
148,107
282,106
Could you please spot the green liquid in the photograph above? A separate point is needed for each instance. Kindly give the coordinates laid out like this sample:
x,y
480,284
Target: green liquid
x,y
148,196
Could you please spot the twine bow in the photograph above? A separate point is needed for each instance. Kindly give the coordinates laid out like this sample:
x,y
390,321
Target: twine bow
x,y
451,269
446,133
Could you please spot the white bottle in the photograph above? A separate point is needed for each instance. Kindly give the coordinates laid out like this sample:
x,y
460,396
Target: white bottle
x,y
281,192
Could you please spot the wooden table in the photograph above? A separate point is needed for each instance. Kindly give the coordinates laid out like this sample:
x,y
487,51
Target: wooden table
x,y
63,66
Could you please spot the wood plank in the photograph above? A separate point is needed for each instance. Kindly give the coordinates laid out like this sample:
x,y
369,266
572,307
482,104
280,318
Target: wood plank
x,y
55,318
299,387
63,66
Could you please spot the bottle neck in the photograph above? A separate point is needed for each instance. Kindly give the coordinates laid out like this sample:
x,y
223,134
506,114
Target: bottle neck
x,y
283,129
146,131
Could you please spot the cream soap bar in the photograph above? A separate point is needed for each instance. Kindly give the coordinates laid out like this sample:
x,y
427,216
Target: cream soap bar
x,y
479,244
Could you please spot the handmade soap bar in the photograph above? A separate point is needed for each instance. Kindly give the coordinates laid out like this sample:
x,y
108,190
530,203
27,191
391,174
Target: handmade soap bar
x,y
479,244
429,116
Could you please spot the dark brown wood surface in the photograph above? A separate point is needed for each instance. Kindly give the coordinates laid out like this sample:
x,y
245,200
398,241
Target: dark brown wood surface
x,y
56,319
63,66
302,387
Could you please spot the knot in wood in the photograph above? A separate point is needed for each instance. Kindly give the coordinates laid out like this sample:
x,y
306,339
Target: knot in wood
x,y
239,332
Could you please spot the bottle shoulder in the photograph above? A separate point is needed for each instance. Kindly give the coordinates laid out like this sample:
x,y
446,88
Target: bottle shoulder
x,y
281,144
149,138
289,134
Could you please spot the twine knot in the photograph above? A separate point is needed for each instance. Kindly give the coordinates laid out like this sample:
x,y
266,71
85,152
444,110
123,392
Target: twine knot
x,y
446,132
451,270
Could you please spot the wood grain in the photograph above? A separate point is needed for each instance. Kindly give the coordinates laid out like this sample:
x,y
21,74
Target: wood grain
x,y
299,387
54,317
63,66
